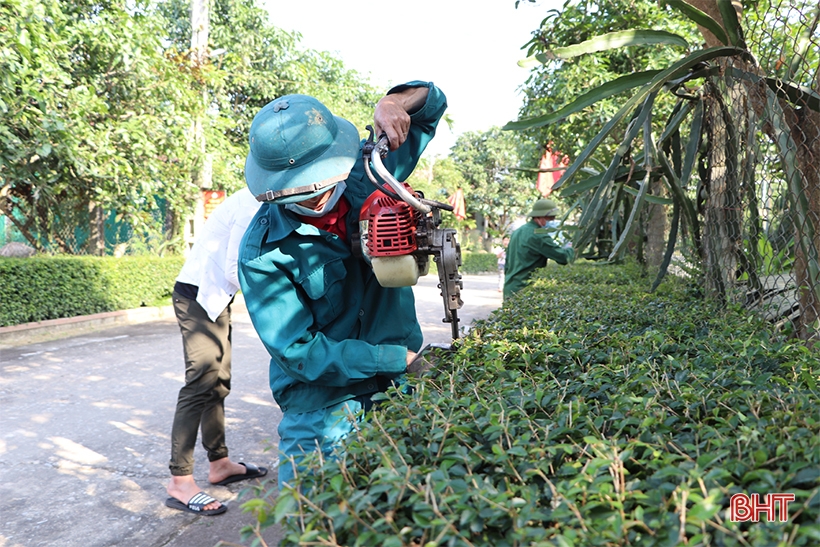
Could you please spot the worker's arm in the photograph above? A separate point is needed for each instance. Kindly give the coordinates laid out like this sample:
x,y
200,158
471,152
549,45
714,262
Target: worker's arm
x,y
286,325
292,295
544,244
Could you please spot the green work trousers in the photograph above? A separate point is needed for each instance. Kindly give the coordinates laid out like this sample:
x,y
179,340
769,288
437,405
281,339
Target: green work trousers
x,y
201,402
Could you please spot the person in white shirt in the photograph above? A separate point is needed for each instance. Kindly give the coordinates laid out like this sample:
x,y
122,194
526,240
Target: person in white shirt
x,y
501,253
203,293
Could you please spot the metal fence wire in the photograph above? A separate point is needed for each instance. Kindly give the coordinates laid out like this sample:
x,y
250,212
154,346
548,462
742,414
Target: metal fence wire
x,y
77,231
758,194
85,230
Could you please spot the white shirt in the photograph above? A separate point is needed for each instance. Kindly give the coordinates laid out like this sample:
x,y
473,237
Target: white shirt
x,y
211,264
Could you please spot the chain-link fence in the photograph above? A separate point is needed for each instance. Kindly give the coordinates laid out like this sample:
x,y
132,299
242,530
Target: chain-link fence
x,y
83,230
758,193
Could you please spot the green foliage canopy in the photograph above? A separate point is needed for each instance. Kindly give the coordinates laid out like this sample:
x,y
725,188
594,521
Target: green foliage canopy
x,y
91,111
98,100
251,63
495,186
690,82
560,80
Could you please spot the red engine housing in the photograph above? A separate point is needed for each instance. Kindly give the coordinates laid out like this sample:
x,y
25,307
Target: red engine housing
x,y
391,225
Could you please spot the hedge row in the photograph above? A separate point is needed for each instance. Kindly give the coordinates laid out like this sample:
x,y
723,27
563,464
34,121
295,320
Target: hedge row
x,y
475,263
585,412
41,288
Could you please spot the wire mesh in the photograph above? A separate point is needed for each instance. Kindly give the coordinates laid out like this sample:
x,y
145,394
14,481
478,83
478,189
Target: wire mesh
x,y
759,193
84,230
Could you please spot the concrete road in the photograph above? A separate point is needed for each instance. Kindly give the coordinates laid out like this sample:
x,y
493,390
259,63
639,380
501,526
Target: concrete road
x,y
85,423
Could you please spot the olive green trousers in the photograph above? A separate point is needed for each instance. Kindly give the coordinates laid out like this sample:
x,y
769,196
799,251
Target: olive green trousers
x,y
201,403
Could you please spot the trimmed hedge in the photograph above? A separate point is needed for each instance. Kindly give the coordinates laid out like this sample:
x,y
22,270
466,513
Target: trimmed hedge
x,y
45,287
41,288
585,412
474,263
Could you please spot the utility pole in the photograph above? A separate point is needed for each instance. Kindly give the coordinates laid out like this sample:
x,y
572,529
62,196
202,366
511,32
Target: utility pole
x,y
200,19
202,175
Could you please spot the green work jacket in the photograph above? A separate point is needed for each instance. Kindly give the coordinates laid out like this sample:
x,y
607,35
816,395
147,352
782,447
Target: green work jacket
x,y
529,248
333,333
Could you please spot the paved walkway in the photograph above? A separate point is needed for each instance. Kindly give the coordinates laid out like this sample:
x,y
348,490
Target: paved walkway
x,y
85,423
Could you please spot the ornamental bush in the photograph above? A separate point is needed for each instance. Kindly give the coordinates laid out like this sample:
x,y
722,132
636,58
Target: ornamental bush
x,y
472,263
587,411
475,263
51,287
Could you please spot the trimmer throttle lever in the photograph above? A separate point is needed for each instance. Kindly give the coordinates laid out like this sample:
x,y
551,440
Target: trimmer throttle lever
x,y
371,144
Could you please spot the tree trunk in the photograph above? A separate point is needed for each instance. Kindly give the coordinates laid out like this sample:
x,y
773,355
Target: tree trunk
x,y
804,128
710,8
804,125
656,230
96,230
722,227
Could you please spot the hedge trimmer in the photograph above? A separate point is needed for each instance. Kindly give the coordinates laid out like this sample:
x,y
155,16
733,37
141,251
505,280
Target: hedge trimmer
x,y
399,231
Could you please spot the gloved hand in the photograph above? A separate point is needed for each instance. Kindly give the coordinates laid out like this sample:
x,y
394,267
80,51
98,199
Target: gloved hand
x,y
427,359
419,365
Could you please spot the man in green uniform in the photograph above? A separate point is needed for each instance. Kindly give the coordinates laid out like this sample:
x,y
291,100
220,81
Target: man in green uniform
x,y
530,247
335,336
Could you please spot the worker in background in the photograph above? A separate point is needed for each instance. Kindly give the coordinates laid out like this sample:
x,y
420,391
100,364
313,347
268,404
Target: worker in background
x,y
531,246
335,336
203,293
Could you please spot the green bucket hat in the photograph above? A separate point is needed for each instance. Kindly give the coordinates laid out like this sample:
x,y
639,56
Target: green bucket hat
x,y
298,150
544,208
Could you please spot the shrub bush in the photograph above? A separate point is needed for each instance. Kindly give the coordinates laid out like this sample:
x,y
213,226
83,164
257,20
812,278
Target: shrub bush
x,y
41,288
474,263
585,412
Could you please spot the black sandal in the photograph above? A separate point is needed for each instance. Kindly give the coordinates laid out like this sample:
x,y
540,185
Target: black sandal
x,y
196,504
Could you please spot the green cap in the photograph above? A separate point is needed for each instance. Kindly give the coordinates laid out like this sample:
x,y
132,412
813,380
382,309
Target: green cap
x,y
544,208
298,150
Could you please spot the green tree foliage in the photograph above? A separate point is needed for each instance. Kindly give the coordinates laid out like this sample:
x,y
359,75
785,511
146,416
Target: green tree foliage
x,y
559,81
98,98
437,178
496,190
91,112
251,63
575,51
725,104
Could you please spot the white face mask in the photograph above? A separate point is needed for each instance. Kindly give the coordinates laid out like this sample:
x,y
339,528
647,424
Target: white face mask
x,y
337,190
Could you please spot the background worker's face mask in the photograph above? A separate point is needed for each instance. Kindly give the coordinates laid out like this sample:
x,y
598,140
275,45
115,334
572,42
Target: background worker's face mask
x,y
337,190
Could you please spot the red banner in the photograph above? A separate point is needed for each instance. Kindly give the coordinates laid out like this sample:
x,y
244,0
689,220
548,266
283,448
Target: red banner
x,y
547,179
212,199
459,207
